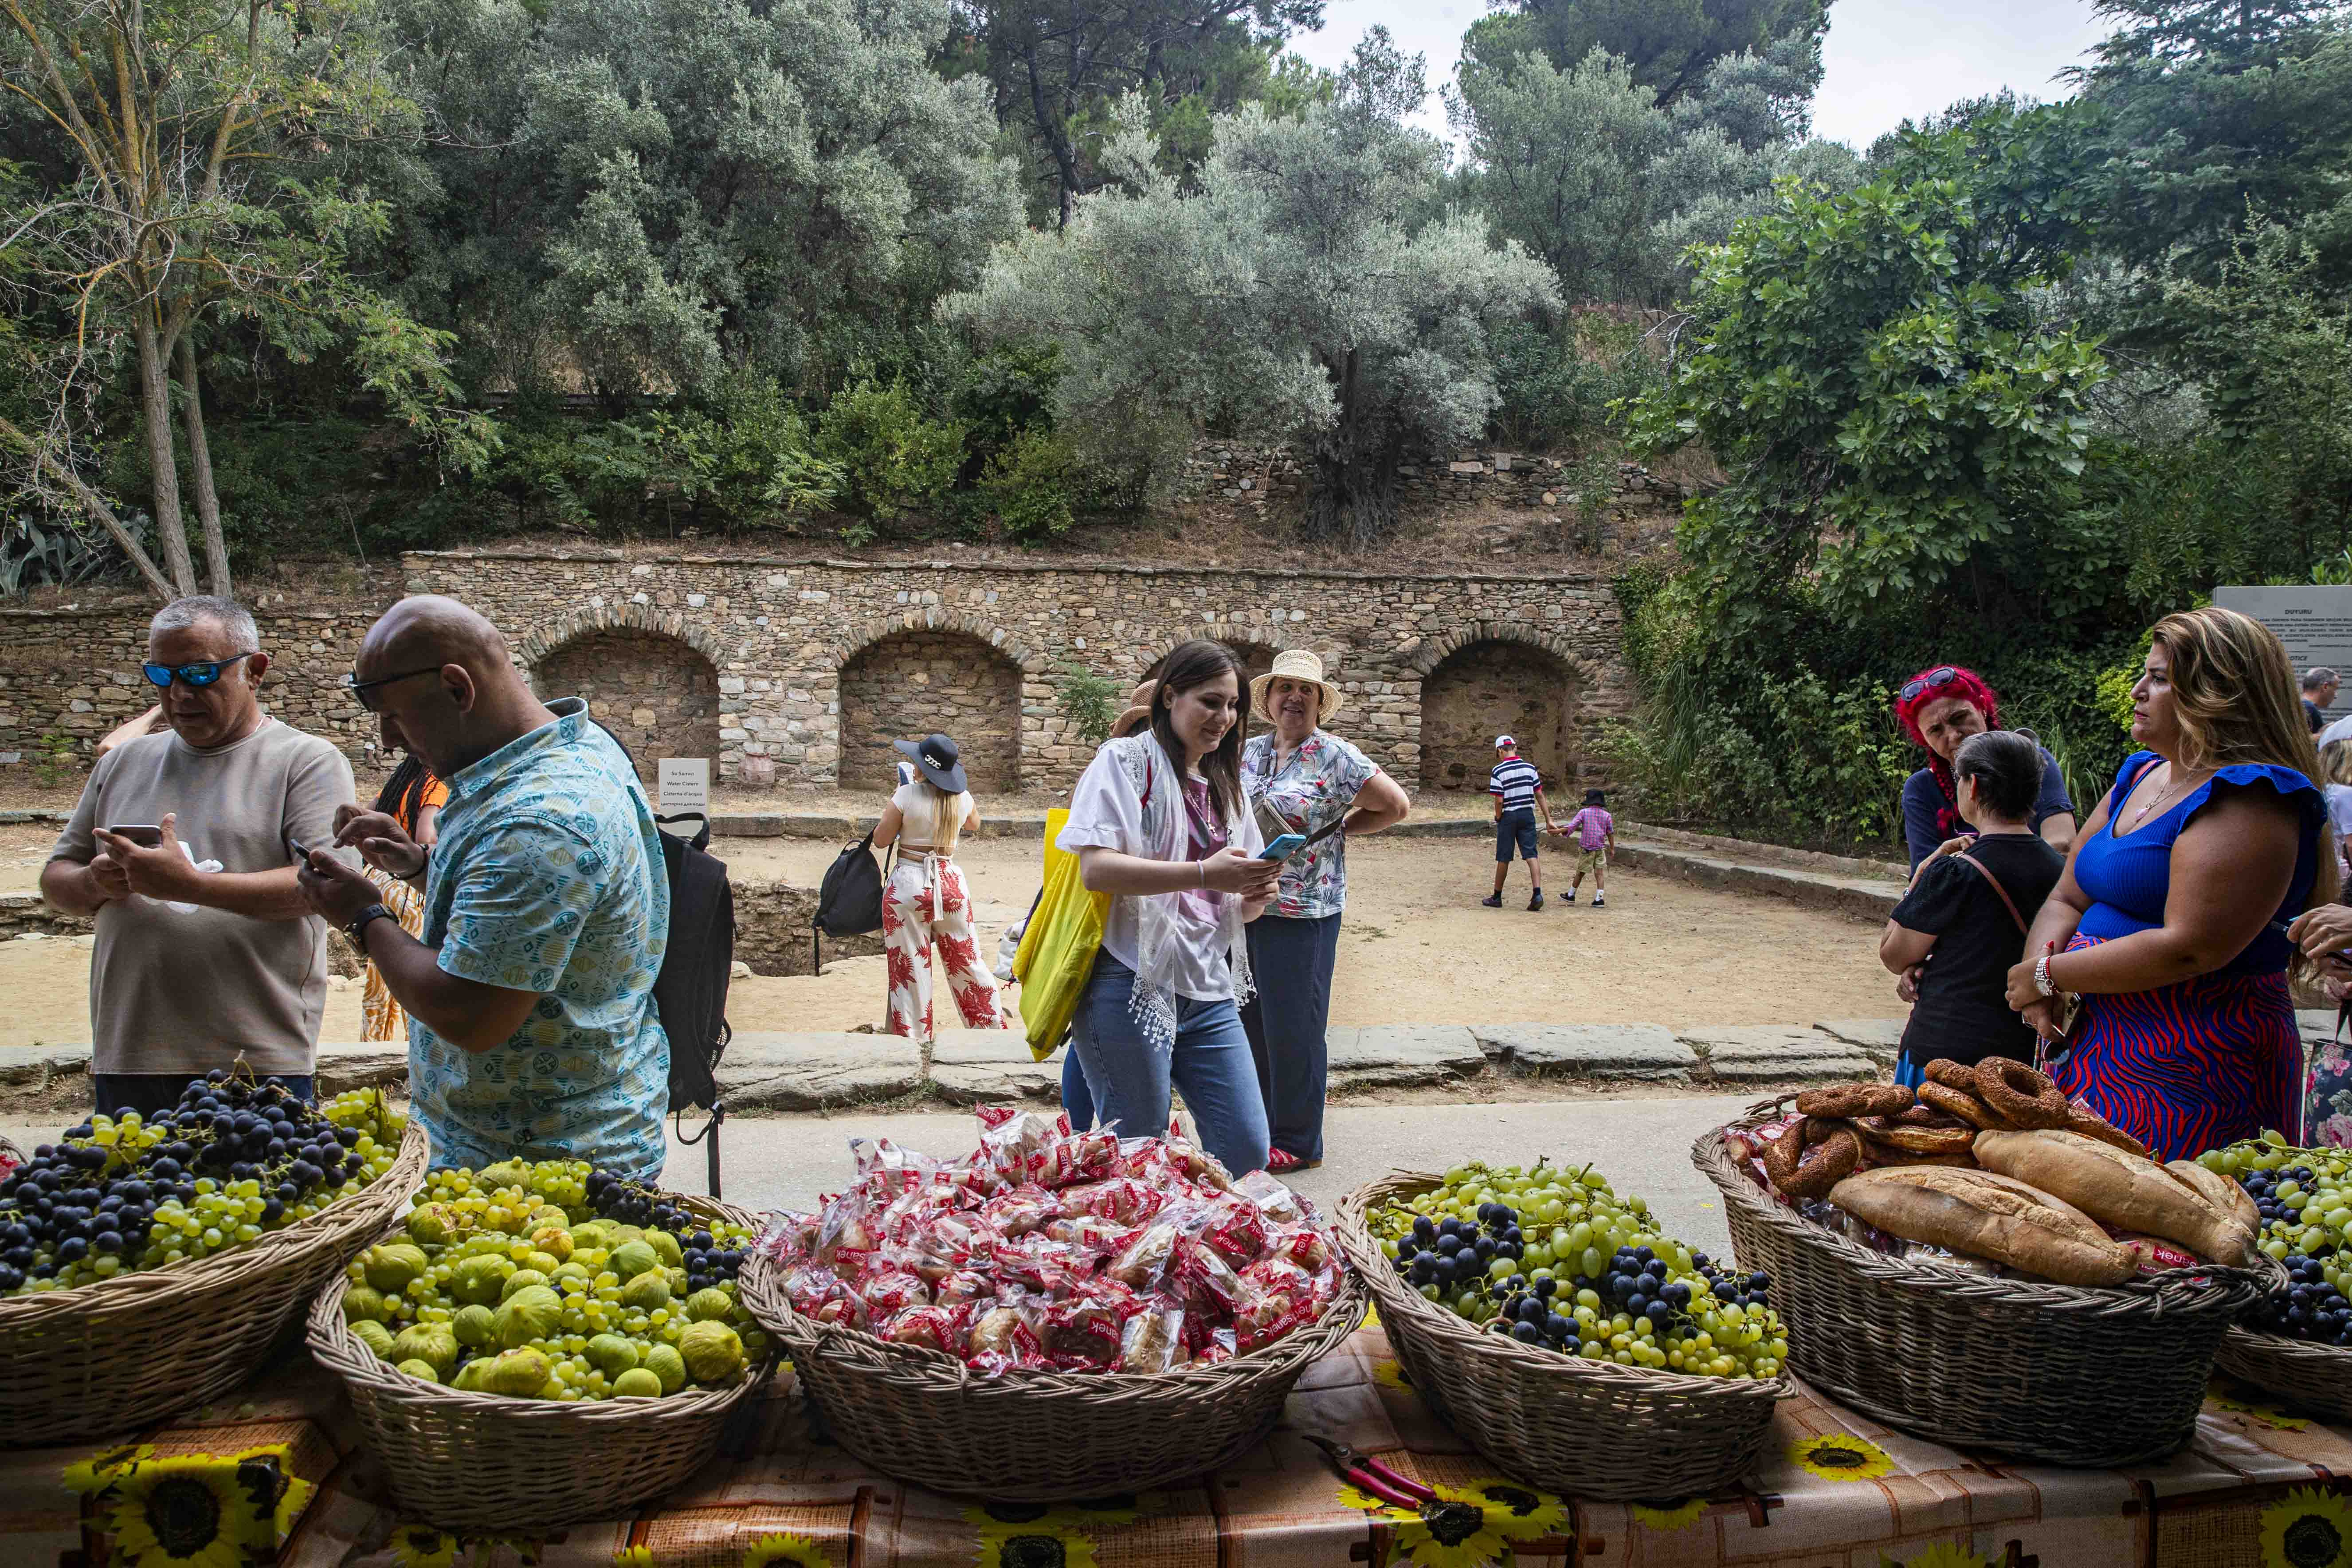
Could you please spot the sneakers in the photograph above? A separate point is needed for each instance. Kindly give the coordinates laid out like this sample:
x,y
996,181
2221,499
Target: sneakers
x,y
1536,902
1492,901
1599,902
1571,896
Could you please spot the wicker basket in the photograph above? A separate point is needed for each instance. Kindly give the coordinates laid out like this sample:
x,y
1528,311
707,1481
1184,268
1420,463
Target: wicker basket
x,y
2313,1377
2096,1378
1563,1423
1038,1436
476,1463
126,1352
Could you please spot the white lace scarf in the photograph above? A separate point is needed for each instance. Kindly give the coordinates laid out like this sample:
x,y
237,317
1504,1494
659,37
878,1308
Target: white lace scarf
x,y
1161,790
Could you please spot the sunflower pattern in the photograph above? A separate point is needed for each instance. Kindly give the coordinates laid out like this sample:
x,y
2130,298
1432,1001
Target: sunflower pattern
x,y
1839,1456
1035,1546
1941,1554
1471,1526
1389,1373
422,1546
2275,1419
191,1511
1670,1516
786,1550
635,1557
2307,1528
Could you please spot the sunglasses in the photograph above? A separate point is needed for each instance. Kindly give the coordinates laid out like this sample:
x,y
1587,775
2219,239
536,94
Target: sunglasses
x,y
365,690
1929,681
197,675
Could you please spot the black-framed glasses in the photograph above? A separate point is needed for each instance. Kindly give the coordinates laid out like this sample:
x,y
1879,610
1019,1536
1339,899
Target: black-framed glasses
x,y
1929,681
196,675
365,690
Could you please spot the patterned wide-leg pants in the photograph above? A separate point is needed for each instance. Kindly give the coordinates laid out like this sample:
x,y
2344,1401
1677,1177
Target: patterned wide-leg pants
x,y
927,903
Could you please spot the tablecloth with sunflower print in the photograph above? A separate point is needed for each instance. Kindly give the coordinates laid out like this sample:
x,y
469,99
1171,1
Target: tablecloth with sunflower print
x,y
281,1462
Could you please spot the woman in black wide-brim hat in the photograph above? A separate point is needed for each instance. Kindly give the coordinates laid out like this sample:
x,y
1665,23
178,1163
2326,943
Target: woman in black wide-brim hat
x,y
926,903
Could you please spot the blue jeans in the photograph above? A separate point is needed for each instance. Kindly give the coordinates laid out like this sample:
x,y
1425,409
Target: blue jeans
x,y
1209,1062
1288,1021
1078,1099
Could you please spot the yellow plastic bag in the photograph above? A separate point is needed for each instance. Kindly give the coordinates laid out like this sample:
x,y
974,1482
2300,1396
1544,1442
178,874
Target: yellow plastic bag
x,y
1057,955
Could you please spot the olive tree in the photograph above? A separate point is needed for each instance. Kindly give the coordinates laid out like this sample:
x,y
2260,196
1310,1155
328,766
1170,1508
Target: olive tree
x,y
1305,284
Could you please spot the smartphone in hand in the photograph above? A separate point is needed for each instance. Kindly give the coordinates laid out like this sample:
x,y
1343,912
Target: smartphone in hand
x,y
301,850
145,835
1279,848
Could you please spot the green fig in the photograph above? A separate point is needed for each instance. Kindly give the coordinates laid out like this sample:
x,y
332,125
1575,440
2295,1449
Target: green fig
x,y
476,1326
423,1370
667,1248
520,1280
375,1336
481,1280
713,1353
519,1374
637,1384
432,1343
391,1266
631,1259
612,1354
665,1363
709,1302
646,1291
364,1303
534,1312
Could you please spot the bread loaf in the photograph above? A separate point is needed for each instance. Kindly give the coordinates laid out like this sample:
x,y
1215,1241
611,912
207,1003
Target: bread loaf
x,y
2119,1188
1987,1216
2222,1192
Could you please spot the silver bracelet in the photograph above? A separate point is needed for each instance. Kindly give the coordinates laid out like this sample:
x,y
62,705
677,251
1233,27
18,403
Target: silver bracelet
x,y
1202,868
2042,976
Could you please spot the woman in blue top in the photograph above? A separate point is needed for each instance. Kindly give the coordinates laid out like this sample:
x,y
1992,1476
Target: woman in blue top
x,y
2170,922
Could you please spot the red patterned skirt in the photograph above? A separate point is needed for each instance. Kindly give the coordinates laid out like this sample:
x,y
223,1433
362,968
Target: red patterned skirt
x,y
2190,1066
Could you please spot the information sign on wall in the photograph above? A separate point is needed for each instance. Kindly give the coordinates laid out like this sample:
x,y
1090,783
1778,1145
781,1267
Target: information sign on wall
x,y
684,785
2315,623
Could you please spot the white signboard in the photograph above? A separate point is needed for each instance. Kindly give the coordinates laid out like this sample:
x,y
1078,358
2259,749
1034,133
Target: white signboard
x,y
2315,624
684,785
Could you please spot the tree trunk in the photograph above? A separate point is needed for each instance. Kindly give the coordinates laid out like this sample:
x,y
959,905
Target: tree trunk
x,y
94,504
1355,467
155,424
200,459
1057,139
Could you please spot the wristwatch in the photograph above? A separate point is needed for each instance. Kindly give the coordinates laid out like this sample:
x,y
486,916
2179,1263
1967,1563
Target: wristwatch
x,y
2042,976
359,923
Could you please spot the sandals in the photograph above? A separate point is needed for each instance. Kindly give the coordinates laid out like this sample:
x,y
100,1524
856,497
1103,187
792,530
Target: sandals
x,y
1282,1162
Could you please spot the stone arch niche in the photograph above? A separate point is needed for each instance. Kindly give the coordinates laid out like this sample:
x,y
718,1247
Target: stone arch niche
x,y
658,693
1480,685
911,681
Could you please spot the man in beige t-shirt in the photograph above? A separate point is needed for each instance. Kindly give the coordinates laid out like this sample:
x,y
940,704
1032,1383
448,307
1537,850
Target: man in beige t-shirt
x,y
194,968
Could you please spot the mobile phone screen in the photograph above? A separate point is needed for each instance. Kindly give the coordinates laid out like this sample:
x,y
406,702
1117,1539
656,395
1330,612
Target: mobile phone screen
x,y
146,835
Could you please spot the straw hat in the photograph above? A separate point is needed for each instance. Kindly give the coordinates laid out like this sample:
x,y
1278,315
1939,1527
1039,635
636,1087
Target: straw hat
x,y
1137,714
1295,664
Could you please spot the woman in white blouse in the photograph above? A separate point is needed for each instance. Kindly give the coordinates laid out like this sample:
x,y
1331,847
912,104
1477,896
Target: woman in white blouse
x,y
1159,822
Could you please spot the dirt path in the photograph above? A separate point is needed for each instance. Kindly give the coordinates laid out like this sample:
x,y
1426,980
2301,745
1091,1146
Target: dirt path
x,y
1416,948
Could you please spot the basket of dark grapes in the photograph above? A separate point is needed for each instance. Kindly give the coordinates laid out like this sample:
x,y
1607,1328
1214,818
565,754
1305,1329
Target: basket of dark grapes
x,y
1552,1324
2297,1342
148,1265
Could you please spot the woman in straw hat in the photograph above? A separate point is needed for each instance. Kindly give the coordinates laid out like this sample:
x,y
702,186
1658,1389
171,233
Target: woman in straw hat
x,y
1319,785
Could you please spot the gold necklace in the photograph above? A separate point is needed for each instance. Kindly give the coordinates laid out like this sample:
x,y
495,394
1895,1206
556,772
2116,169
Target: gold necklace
x,y
2169,785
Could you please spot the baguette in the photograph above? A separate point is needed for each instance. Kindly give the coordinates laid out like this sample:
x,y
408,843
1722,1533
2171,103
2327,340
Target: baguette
x,y
2222,1192
2122,1189
1987,1216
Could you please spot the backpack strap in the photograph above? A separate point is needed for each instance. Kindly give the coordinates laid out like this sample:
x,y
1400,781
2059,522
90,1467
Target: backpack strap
x,y
2007,903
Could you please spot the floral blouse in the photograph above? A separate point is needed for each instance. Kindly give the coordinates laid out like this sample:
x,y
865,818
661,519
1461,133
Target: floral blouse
x,y
1316,785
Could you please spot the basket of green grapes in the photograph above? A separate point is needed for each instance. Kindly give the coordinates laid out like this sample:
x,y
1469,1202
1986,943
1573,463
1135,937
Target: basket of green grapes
x,y
2297,1341
1552,1324
147,1264
538,1343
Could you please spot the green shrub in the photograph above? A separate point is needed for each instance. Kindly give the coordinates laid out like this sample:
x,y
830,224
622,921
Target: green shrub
x,y
1030,484
1006,390
893,457
1090,702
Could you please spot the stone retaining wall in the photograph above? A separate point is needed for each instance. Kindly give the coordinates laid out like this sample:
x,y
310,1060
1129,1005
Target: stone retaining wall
x,y
794,644
798,671
1269,475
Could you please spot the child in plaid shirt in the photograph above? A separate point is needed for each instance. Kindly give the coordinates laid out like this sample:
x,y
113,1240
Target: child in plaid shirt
x,y
1596,839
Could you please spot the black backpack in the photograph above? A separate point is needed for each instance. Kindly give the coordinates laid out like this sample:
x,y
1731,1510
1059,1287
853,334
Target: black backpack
x,y
849,900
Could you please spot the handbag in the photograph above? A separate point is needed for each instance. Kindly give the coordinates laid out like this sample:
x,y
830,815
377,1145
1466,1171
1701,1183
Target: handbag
x,y
849,900
1056,956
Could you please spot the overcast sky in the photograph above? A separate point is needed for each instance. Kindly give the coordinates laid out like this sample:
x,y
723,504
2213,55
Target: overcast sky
x,y
1886,59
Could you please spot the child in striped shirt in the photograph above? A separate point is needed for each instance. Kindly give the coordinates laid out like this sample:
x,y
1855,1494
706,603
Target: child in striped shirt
x,y
1517,789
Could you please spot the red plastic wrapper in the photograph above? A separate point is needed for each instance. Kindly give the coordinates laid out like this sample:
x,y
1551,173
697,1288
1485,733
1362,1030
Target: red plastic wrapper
x,y
789,1238
841,1224
1206,1281
1004,1337
1081,1157
945,1328
882,1165
1098,1237
1152,1339
1173,1162
963,1285
2152,1254
1308,1248
1034,1260
1020,1211
888,1291
1277,1202
1082,1334
1121,1199
1019,1143
1149,1255
1236,1229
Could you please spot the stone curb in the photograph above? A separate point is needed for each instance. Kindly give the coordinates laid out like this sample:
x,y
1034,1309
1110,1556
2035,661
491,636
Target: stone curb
x,y
774,1071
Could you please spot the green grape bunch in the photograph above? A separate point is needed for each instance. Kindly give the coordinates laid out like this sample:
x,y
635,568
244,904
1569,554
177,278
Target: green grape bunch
x,y
2304,1198
233,1161
558,1281
1555,1257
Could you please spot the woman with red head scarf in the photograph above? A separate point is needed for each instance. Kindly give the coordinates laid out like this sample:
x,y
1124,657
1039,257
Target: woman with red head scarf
x,y
1939,707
